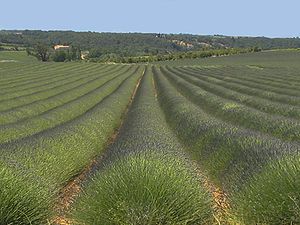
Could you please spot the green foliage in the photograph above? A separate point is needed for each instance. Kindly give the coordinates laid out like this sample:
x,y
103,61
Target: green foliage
x,y
139,44
273,196
44,53
41,52
22,201
71,54
59,56
95,55
145,189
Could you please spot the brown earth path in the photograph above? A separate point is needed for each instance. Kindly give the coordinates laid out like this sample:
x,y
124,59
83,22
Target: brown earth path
x,y
221,206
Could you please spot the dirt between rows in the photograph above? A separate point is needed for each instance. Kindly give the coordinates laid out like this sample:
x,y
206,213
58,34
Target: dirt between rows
x,y
221,204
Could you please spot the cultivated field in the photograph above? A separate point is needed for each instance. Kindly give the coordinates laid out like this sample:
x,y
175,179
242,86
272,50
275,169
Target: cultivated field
x,y
211,141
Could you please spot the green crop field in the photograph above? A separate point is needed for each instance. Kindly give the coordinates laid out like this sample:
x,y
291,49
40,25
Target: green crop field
x,y
16,56
272,58
187,142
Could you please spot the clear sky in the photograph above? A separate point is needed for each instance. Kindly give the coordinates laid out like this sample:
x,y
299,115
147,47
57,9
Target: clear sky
x,y
273,18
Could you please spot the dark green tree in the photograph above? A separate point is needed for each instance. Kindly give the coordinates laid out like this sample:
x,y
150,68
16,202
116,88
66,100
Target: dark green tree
x,y
94,53
41,52
28,51
74,53
59,56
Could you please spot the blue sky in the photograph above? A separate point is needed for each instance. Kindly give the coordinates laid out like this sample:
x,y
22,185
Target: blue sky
x,y
273,18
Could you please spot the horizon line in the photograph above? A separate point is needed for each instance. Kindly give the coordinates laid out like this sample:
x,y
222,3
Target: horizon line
x,y
148,32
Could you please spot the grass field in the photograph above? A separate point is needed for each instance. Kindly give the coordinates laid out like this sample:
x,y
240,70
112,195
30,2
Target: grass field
x,y
203,141
13,56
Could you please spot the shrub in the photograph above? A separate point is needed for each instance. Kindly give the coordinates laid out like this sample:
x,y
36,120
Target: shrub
x,y
145,188
273,196
59,56
21,202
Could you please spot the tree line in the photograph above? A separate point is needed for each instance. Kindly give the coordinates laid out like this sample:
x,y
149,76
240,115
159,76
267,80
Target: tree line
x,y
141,44
175,56
45,53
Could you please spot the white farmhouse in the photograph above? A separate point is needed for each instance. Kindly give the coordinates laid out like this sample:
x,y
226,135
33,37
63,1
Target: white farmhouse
x,y
56,47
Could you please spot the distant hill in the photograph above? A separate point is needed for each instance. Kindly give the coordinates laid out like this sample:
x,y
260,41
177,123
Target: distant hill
x,y
274,58
136,44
